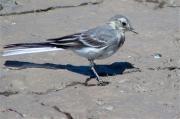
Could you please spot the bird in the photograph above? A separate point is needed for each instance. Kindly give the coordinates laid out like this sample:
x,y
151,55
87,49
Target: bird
x,y
94,44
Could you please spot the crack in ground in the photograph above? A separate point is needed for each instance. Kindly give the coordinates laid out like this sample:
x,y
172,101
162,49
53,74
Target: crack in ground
x,y
67,114
173,6
66,86
13,110
47,91
52,8
159,3
75,83
170,68
9,93
150,1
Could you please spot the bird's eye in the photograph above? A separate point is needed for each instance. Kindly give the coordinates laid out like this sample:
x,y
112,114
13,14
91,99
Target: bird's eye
x,y
124,23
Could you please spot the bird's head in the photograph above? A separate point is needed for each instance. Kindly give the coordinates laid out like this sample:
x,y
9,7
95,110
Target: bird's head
x,y
121,22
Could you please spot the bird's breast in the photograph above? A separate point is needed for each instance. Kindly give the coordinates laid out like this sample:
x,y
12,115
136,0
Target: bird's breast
x,y
121,39
115,45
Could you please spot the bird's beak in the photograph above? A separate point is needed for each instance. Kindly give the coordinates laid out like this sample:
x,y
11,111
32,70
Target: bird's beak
x,y
132,30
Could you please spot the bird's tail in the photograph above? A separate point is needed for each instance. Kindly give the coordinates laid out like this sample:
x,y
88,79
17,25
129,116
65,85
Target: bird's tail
x,y
26,48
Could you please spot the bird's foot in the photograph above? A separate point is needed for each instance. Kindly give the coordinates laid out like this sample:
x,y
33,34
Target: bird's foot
x,y
102,83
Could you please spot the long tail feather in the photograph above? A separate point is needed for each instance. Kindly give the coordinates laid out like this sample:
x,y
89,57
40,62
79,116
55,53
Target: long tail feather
x,y
29,50
29,45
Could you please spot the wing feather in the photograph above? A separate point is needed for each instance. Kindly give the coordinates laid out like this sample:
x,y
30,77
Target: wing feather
x,y
78,40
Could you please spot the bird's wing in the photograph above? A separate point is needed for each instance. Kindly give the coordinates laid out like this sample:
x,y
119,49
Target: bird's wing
x,y
79,40
92,40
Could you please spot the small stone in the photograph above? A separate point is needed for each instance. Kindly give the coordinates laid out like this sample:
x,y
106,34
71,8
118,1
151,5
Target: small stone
x,y
157,56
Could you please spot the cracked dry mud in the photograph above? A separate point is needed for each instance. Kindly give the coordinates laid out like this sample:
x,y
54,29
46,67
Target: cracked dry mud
x,y
51,85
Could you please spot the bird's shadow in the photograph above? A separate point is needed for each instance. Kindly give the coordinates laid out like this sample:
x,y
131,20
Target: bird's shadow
x,y
115,68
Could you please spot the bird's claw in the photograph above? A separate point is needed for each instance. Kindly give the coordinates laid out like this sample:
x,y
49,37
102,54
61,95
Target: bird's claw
x,y
102,83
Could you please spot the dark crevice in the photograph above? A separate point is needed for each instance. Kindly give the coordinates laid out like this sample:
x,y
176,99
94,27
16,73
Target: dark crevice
x,y
72,84
52,8
159,3
150,1
68,115
8,93
173,6
56,90
13,110
170,68
46,92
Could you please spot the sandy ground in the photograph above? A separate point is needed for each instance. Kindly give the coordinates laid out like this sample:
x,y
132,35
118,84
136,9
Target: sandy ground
x,y
144,74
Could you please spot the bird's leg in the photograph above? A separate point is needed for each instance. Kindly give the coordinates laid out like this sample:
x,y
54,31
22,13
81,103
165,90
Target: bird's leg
x,y
100,81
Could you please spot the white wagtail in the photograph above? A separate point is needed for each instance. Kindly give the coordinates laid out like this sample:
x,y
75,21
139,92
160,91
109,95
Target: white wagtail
x,y
97,43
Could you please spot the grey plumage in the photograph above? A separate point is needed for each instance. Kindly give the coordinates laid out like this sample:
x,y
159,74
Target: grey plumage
x,y
97,43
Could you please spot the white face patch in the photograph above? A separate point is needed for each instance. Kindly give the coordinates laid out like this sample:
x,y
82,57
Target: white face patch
x,y
122,20
113,24
120,23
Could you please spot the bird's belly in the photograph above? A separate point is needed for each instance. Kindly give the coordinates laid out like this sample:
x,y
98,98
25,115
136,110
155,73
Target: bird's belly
x,y
89,52
107,52
96,53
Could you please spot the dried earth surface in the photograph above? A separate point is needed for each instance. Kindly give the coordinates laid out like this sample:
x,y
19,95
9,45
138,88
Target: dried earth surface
x,y
144,74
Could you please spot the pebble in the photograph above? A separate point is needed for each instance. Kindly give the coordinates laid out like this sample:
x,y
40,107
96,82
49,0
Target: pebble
x,y
157,56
